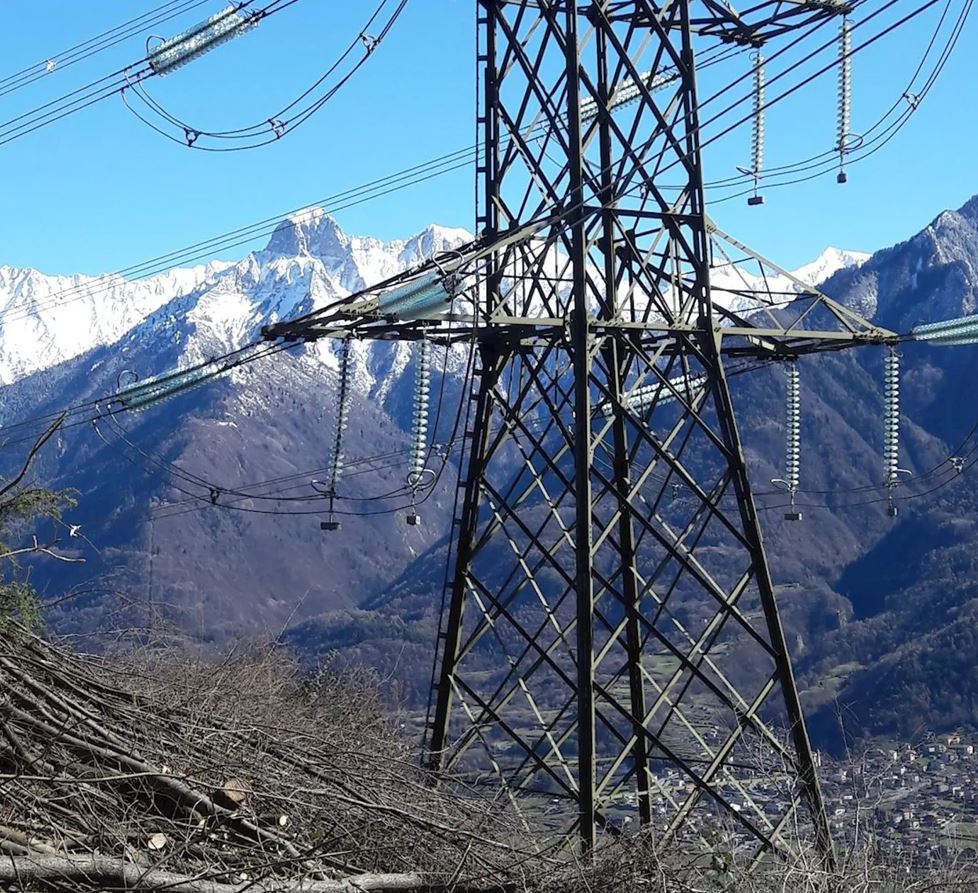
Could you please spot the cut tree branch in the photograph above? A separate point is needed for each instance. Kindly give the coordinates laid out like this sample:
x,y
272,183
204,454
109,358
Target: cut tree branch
x,y
114,874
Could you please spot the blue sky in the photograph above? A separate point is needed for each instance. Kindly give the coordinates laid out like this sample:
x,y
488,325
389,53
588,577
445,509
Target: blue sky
x,y
99,191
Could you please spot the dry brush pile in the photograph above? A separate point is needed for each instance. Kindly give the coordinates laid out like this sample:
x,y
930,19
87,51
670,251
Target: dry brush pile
x,y
154,773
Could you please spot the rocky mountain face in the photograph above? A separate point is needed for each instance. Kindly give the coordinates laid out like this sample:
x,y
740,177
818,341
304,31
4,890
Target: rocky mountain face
x,y
904,657
157,545
181,530
879,609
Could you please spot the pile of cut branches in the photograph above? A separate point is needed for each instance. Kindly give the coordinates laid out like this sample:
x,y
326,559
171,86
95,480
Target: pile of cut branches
x,y
153,771
161,773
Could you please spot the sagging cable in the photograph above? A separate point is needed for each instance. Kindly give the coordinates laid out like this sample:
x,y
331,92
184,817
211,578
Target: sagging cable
x,y
419,424
792,439
334,462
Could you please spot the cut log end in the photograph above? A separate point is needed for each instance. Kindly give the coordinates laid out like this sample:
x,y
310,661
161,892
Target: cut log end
x,y
233,794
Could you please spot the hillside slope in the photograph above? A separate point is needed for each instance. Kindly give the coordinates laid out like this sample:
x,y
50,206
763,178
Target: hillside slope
x,y
177,533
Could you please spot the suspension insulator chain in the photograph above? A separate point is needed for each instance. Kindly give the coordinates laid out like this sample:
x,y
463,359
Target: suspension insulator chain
x,y
342,417
757,137
792,429
845,96
792,457
419,420
335,460
891,425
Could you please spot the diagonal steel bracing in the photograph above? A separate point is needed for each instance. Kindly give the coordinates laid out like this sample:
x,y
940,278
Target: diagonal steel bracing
x,y
605,641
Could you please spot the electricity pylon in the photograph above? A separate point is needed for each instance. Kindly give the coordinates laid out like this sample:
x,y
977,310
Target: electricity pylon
x,y
612,635
611,640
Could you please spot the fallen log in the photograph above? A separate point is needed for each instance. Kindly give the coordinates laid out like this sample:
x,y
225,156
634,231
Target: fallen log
x,y
106,873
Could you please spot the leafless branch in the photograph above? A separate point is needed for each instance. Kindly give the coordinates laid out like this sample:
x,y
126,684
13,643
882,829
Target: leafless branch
x,y
42,549
34,450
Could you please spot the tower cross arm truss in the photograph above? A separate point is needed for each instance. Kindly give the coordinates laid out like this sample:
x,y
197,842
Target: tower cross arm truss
x,y
750,25
750,320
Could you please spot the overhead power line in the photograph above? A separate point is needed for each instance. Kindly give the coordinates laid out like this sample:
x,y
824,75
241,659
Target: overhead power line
x,y
273,127
87,49
405,178
171,54
598,376
190,43
224,495
141,394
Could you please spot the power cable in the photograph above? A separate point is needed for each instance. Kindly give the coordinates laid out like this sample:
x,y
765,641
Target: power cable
x,y
37,311
374,189
87,49
110,84
115,403
277,125
241,236
430,489
447,447
902,21
207,248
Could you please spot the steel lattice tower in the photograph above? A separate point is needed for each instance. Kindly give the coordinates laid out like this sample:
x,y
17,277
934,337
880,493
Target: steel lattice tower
x,y
600,631
610,640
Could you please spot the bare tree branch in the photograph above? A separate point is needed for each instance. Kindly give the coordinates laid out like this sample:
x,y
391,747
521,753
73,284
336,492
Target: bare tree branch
x,y
34,450
115,874
45,549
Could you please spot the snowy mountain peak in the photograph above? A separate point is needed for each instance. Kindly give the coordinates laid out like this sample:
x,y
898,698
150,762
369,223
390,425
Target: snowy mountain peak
x,y
312,232
309,262
432,241
828,263
308,232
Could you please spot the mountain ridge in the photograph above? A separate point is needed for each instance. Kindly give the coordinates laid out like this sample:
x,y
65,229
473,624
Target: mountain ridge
x,y
49,319
222,568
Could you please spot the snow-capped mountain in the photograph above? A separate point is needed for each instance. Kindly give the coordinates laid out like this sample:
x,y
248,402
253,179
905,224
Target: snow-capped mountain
x,y
45,320
270,420
267,421
181,506
828,263
308,262
731,281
